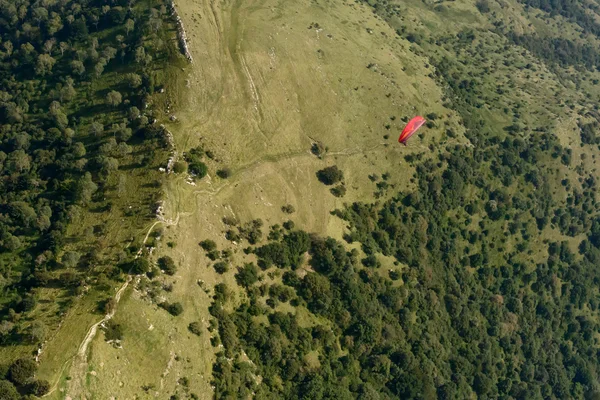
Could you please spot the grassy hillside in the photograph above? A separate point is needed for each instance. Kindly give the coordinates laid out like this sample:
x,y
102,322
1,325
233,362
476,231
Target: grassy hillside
x,y
461,266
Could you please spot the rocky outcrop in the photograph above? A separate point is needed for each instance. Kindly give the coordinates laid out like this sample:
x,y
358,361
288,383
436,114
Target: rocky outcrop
x,y
181,36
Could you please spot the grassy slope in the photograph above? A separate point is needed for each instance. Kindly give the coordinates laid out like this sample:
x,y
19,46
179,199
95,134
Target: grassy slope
x,y
262,87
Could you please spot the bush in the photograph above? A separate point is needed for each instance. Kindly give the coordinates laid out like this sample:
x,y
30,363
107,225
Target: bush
x,y
195,328
70,259
113,331
330,175
8,391
247,275
288,209
167,264
139,266
208,245
198,169
230,221
371,261
483,6
179,167
338,191
174,309
221,267
289,225
213,255
318,149
224,173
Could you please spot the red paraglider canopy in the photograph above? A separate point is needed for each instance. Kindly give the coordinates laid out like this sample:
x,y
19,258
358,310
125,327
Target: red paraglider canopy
x,y
410,129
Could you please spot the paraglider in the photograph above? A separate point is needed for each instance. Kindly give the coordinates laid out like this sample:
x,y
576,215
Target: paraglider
x,y
410,129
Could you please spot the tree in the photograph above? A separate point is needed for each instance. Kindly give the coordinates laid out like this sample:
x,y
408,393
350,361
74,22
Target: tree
x,y
19,161
133,80
22,213
68,92
38,332
58,115
140,55
70,259
114,98
77,67
133,113
40,387
107,165
6,330
139,266
330,175
22,370
129,26
96,128
63,46
85,188
78,150
99,67
247,275
44,64
8,391
198,169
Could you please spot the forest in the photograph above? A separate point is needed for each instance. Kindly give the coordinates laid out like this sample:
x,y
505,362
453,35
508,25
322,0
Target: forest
x,y
480,301
75,119
475,314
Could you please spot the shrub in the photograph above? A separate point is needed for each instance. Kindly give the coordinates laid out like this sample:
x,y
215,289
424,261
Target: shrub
x,y
231,221
167,264
174,309
371,261
179,167
195,328
221,267
139,266
288,209
232,235
224,173
483,6
198,169
8,391
208,245
70,259
330,175
338,191
289,225
247,275
213,255
113,331
318,149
